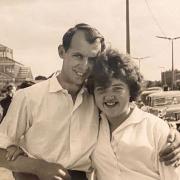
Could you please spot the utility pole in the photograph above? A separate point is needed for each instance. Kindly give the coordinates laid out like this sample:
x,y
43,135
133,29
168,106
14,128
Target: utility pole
x,y
172,50
139,60
127,28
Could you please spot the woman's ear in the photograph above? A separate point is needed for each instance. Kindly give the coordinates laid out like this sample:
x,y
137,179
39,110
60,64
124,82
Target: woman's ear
x,y
61,51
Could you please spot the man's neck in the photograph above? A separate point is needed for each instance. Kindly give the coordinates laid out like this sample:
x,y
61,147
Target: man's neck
x,y
72,89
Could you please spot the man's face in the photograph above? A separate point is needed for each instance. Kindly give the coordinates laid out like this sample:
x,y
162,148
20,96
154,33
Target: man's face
x,y
79,58
113,101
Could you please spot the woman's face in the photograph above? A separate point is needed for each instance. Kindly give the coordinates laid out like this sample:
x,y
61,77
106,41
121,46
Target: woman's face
x,y
113,101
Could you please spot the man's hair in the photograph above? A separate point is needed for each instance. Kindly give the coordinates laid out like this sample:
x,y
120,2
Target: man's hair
x,y
112,64
91,34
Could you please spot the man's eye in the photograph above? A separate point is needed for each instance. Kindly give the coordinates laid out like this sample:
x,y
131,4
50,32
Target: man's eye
x,y
77,56
92,60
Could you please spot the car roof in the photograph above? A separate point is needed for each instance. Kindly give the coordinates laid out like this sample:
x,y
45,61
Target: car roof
x,y
150,92
165,93
153,88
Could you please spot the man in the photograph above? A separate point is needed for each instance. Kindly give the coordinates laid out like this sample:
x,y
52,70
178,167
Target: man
x,y
4,103
56,120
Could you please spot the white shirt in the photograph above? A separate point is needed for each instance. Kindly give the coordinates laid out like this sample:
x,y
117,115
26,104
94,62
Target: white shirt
x,y
51,126
133,151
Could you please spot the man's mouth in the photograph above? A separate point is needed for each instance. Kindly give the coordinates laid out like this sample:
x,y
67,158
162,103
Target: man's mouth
x,y
80,74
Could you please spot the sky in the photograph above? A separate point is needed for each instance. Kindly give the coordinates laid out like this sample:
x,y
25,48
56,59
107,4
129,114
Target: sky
x,y
34,29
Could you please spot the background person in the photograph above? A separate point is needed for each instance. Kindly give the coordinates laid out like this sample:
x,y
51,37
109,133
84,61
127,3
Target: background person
x,y
25,84
5,102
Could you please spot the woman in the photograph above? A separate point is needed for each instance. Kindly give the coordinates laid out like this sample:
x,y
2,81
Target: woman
x,y
129,139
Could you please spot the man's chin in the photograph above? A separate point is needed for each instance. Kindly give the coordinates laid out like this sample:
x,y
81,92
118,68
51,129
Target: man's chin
x,y
79,81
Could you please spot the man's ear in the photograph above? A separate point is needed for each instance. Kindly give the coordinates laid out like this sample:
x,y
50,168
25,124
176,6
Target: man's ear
x,y
61,51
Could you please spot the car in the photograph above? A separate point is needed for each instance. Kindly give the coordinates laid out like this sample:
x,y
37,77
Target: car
x,y
165,105
154,89
149,91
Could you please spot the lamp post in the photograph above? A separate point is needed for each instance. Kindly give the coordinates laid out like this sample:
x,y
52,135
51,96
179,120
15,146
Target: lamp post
x,y
139,60
172,49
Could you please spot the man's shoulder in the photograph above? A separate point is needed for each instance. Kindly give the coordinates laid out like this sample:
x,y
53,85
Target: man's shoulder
x,y
43,85
35,90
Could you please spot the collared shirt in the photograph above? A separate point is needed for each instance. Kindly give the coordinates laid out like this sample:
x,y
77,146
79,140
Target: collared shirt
x,y
50,126
132,153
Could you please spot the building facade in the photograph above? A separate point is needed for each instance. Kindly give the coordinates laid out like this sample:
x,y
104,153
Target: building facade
x,y
166,78
12,71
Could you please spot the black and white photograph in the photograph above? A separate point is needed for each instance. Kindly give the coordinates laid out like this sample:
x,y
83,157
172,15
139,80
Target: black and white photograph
x,y
89,90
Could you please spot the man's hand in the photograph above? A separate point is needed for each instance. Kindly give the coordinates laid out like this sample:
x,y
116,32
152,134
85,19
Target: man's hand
x,y
52,171
13,152
171,154
45,170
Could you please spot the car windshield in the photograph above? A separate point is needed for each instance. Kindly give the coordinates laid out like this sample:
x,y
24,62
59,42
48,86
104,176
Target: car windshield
x,y
161,101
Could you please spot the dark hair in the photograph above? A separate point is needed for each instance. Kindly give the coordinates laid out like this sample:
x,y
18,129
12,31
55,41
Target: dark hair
x,y
91,34
10,87
26,84
112,64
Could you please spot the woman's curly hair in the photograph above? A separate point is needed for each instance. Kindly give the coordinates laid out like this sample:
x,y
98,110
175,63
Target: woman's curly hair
x,y
112,64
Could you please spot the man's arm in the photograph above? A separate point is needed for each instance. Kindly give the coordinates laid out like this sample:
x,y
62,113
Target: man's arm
x,y
171,154
21,164
43,169
162,134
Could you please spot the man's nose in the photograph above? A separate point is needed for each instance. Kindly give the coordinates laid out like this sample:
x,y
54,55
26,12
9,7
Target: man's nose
x,y
84,63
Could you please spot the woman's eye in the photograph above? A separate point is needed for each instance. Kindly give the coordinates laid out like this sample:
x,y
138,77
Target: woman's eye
x,y
118,88
99,90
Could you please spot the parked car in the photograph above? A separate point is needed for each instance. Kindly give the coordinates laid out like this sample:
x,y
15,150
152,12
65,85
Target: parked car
x,y
166,105
149,91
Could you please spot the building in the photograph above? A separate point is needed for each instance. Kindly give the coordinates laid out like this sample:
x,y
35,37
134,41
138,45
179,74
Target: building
x,y
166,78
12,71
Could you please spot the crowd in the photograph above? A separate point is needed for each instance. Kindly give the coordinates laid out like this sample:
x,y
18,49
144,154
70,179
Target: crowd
x,y
84,119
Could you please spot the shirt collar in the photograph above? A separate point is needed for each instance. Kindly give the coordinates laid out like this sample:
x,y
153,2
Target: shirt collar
x,y
135,117
55,86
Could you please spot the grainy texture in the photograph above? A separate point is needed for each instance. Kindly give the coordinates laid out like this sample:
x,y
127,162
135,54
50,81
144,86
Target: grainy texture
x,y
5,174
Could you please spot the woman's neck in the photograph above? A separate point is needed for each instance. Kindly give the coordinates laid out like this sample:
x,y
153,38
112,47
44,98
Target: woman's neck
x,y
114,123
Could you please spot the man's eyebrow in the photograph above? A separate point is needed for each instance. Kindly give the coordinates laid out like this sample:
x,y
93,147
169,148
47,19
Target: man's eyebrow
x,y
77,53
96,56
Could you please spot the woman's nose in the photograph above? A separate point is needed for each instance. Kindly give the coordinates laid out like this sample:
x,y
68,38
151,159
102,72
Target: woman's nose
x,y
109,97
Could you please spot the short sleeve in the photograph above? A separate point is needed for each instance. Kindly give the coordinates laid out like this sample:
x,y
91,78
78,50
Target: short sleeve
x,y
16,122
